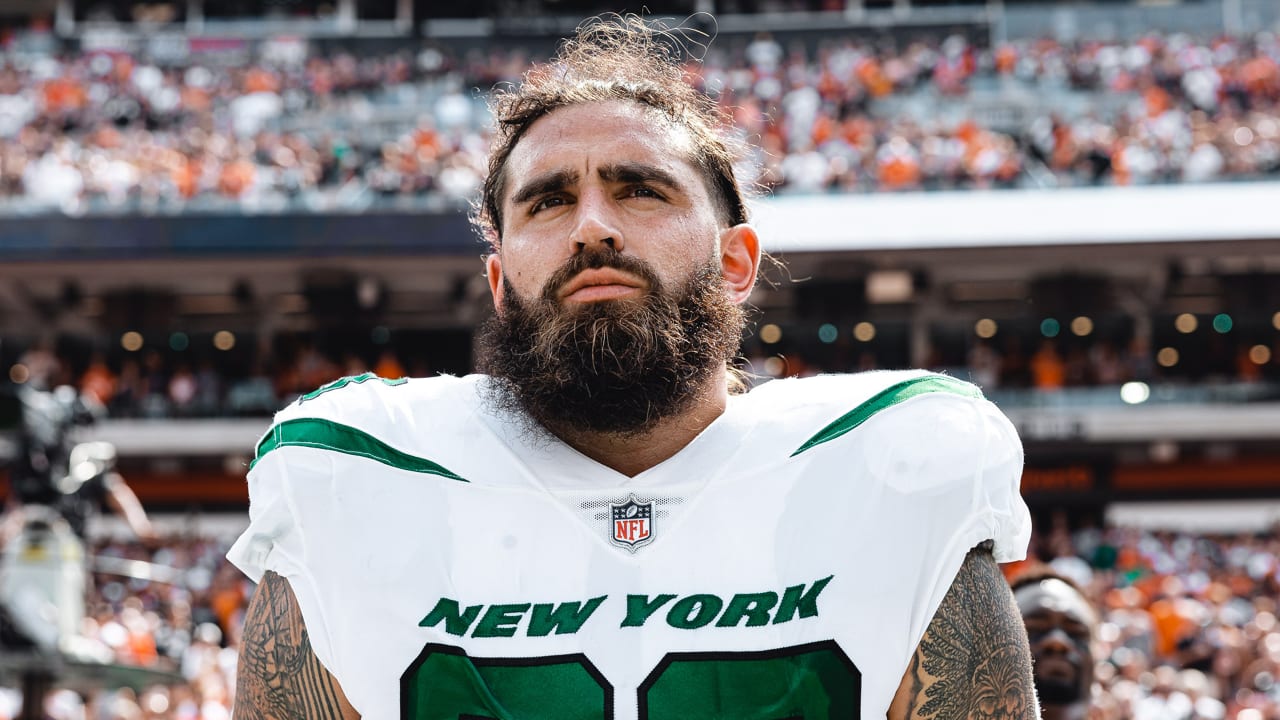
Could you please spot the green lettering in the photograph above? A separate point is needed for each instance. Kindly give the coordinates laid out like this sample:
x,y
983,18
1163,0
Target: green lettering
x,y
795,598
754,607
639,608
456,621
694,611
564,619
500,620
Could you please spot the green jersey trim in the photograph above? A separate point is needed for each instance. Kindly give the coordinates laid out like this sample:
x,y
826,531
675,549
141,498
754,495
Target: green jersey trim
x,y
328,435
886,398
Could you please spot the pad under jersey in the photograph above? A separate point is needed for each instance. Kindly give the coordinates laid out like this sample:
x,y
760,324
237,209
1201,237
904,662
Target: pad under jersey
x,y
450,564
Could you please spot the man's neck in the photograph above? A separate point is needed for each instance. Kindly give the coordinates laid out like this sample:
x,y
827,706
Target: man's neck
x,y
633,454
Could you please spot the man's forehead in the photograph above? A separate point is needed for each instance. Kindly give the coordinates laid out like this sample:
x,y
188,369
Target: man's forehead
x,y
599,133
1054,596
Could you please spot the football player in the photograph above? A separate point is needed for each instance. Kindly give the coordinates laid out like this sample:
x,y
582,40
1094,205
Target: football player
x,y
1061,625
602,525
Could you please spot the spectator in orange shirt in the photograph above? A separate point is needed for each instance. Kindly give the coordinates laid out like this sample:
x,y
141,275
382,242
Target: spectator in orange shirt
x,y
1172,625
98,381
186,176
1048,371
872,75
63,95
236,177
260,80
389,366
899,165
1006,59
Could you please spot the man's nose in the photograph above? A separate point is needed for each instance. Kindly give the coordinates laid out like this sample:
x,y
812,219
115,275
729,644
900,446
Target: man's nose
x,y
596,224
1056,642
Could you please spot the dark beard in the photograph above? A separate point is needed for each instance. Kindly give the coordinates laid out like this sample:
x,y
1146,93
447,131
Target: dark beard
x,y
1053,691
616,367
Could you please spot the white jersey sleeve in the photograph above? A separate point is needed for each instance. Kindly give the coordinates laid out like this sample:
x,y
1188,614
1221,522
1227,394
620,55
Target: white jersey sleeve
x,y
951,469
295,496
944,466
276,539
956,458
935,470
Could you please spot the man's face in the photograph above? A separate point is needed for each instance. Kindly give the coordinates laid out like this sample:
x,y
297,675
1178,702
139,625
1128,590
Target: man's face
x,y
617,289
1060,626
612,173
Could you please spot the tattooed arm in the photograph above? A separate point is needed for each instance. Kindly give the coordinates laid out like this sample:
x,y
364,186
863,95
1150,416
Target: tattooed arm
x,y
279,678
973,661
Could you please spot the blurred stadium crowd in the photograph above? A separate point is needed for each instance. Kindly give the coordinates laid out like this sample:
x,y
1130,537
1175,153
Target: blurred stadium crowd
x,y
154,384
1189,629
1189,625
191,627
110,130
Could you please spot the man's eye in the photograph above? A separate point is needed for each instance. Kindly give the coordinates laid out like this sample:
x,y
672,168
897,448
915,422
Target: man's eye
x,y
546,203
645,192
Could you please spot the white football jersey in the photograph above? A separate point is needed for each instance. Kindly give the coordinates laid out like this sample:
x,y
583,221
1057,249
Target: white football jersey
x,y
451,564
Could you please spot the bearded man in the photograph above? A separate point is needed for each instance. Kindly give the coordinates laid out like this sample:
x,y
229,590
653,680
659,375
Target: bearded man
x,y
601,525
1061,624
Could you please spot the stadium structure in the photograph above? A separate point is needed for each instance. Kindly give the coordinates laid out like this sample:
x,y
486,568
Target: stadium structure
x,y
1128,323
1185,275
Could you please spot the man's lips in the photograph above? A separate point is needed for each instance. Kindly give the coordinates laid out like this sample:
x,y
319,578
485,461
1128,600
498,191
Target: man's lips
x,y
1056,669
600,284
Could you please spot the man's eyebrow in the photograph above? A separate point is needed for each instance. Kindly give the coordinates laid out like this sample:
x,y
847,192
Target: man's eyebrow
x,y
639,173
542,184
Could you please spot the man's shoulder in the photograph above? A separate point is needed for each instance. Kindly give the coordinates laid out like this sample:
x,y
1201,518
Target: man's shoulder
x,y
398,421
814,411
865,392
368,398
920,434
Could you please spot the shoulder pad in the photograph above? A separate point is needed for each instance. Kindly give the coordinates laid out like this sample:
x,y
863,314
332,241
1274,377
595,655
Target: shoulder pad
x,y
366,415
880,392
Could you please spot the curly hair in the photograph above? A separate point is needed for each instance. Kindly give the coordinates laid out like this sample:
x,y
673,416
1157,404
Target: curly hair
x,y
613,57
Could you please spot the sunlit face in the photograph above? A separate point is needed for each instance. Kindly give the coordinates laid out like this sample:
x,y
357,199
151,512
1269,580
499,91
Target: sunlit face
x,y
613,174
618,289
1060,626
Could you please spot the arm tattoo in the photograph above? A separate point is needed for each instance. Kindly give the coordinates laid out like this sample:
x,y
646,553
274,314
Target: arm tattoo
x,y
973,661
279,677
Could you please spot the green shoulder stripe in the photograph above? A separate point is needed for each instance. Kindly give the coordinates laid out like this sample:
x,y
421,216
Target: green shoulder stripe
x,y
327,435
889,397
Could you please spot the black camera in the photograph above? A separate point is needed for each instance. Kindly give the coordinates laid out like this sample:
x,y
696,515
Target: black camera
x,y
10,422
36,447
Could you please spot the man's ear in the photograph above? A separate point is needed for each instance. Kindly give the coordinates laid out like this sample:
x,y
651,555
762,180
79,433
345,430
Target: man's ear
x,y
493,271
739,260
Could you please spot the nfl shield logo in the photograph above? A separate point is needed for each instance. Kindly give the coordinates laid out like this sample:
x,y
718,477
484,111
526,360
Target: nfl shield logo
x,y
632,524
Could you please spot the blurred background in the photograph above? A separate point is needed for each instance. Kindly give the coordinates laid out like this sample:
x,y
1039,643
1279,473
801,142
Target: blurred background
x,y
208,207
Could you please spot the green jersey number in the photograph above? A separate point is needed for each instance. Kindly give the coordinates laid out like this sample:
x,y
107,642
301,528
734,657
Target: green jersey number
x,y
816,681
